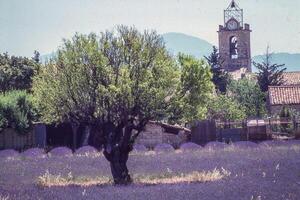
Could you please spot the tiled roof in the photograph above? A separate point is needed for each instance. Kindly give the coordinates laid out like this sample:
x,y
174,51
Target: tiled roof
x,y
169,126
284,95
291,78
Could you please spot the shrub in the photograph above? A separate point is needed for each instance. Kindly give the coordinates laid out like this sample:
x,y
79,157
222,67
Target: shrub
x,y
17,111
285,115
224,107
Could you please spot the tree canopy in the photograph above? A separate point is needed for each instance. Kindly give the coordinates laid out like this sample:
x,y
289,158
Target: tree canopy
x,y
16,72
223,107
111,77
220,77
194,90
249,95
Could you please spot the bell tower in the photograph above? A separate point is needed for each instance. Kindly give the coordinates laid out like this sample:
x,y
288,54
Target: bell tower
x,y
234,40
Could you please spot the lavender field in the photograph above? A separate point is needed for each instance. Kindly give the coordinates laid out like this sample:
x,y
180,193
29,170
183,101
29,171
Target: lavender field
x,y
269,170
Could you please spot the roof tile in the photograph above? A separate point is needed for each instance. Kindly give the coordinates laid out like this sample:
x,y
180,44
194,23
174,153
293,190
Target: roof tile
x,y
283,95
291,78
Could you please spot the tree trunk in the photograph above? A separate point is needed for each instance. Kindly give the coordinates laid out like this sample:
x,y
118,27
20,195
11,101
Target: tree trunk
x,y
74,130
117,152
86,135
119,142
118,160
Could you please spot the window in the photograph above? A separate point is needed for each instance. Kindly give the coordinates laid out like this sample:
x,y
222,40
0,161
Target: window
x,y
233,47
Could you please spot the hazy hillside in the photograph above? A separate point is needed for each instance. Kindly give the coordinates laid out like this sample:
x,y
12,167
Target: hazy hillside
x,y
291,61
179,42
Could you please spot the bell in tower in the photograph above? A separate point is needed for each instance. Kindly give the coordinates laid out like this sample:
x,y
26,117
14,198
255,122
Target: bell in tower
x,y
234,40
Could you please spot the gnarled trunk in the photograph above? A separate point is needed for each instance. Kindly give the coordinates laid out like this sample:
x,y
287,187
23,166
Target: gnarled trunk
x,y
118,165
119,142
116,152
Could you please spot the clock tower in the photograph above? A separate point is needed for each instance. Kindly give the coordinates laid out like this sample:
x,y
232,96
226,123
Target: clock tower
x,y
234,40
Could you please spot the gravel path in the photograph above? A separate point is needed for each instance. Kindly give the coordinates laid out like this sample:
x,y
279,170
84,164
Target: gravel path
x,y
262,172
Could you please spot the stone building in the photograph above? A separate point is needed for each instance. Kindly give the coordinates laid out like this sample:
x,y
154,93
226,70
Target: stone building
x,y
158,133
285,95
234,41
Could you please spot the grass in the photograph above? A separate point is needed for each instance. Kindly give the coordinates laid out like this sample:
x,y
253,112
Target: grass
x,y
50,180
192,177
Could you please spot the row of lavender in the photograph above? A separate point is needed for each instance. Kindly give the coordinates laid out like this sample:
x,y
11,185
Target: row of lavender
x,y
88,150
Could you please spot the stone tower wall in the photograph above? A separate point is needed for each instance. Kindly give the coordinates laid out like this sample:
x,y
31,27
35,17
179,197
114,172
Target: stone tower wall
x,y
243,48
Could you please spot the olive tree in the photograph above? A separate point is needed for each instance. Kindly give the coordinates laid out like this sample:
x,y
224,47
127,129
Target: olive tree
x,y
116,81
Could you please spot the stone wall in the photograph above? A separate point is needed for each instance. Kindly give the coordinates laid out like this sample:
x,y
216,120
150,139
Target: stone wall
x,y
243,48
151,136
155,134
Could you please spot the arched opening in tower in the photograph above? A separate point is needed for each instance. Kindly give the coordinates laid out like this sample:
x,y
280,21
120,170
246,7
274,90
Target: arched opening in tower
x,y
233,43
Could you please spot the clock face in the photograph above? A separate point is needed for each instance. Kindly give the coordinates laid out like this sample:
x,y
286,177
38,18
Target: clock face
x,y
232,25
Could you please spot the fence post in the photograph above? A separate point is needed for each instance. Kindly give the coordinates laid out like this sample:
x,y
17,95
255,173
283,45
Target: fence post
x,y
245,128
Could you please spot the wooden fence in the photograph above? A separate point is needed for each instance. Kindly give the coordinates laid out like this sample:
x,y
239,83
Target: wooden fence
x,y
10,139
254,130
203,132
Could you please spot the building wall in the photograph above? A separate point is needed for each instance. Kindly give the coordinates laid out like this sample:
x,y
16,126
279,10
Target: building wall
x,y
243,48
154,134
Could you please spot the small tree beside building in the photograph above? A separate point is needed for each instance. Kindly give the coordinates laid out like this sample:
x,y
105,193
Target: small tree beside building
x,y
269,74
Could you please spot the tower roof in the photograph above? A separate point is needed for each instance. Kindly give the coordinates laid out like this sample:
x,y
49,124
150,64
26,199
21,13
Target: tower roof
x,y
233,6
233,11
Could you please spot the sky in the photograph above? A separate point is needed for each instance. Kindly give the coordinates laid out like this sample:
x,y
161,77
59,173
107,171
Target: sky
x,y
28,25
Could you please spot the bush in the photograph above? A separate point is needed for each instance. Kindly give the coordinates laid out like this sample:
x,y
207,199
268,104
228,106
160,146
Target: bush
x,y
16,111
285,116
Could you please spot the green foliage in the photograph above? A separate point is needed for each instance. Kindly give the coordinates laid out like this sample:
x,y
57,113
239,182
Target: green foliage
x,y
285,115
115,76
194,91
220,78
269,74
16,72
249,95
223,107
16,111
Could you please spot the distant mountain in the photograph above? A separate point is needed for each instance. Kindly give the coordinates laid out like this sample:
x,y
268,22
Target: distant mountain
x,y
291,61
179,42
